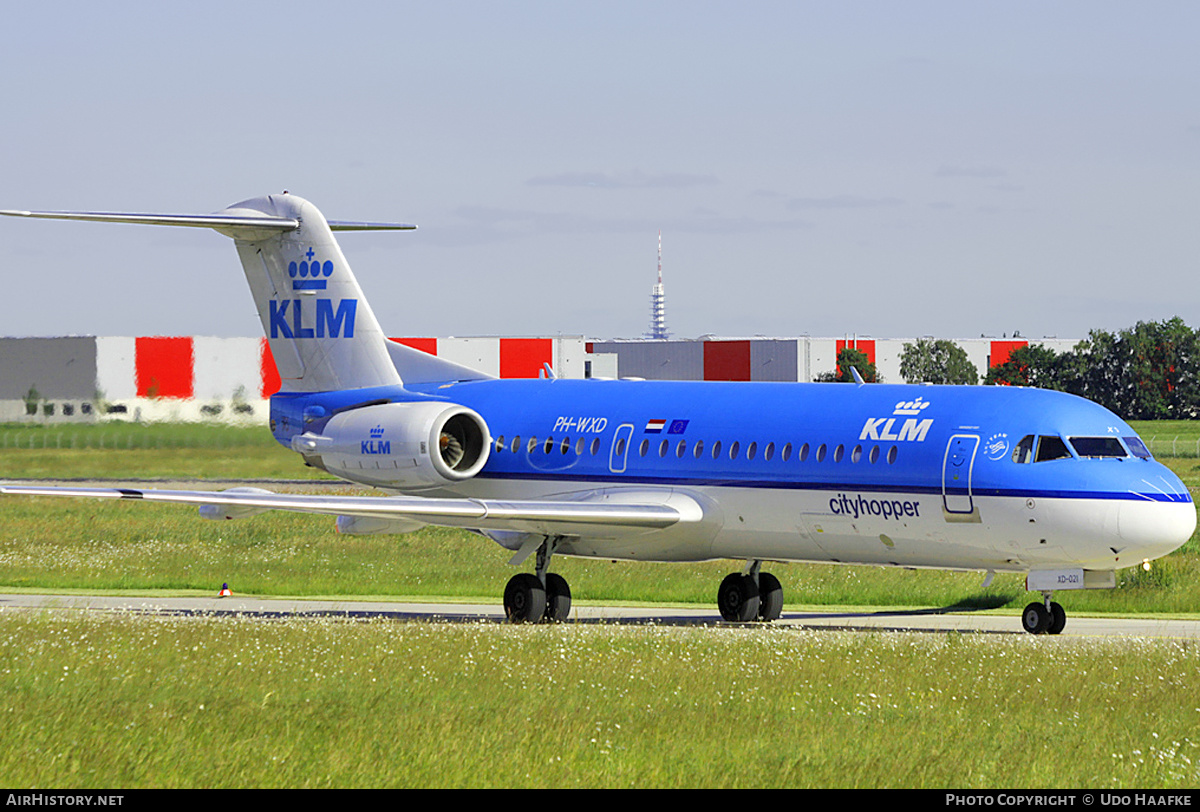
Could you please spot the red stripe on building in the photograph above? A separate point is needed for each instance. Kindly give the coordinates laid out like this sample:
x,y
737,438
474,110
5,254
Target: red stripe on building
x,y
268,372
524,357
164,367
864,345
428,345
1002,349
726,360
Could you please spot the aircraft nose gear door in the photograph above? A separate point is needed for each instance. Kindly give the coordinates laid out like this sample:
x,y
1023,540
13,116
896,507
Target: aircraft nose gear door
x,y
956,476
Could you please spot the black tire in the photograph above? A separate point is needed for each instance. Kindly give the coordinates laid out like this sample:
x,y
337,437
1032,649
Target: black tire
x,y
770,597
737,598
1058,619
1035,618
558,597
524,598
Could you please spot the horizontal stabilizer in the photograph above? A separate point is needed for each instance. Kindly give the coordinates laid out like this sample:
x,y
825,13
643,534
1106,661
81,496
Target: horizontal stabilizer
x,y
356,225
227,222
193,220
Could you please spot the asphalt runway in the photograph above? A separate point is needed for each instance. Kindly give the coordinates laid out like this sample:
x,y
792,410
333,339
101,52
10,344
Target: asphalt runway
x,y
928,620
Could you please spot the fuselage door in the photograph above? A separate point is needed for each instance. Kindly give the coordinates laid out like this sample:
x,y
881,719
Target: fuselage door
x,y
957,467
620,448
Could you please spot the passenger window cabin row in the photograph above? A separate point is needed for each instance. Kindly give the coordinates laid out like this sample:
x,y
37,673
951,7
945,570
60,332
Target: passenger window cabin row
x,y
1031,448
681,448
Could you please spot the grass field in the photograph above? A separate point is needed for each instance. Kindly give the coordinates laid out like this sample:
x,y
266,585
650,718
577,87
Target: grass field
x,y
112,701
95,701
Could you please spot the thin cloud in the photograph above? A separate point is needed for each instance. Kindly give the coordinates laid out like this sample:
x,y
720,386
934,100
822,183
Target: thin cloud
x,y
635,179
954,171
842,202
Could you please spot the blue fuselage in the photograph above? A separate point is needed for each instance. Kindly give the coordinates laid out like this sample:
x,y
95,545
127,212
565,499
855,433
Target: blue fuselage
x,y
887,474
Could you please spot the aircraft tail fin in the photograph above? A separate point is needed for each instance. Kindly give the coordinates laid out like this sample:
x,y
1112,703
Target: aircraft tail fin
x,y
322,332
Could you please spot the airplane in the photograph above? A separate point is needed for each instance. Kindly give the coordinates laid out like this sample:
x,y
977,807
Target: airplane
x,y
973,478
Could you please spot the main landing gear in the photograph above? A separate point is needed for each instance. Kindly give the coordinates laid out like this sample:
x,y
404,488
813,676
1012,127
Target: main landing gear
x,y
538,597
544,597
1045,617
750,595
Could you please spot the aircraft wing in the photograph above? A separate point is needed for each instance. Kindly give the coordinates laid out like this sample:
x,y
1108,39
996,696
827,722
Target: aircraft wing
x,y
596,516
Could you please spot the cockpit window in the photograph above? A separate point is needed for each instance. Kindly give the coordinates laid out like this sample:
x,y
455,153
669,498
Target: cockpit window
x,y
1024,449
1051,448
1137,447
1098,447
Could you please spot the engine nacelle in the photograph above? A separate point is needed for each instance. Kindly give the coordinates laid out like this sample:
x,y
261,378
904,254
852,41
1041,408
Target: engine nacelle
x,y
401,445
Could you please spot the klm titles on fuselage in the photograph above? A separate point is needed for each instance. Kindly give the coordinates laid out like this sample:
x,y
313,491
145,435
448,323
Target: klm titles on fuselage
x,y
912,429
295,318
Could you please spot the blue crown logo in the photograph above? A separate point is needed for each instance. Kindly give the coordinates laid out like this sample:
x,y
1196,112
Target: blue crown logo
x,y
376,432
310,274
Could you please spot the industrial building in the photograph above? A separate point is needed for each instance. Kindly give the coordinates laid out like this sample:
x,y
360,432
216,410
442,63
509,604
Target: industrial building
x,y
197,378
785,359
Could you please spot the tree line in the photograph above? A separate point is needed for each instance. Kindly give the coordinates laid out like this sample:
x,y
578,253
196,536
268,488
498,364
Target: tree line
x,y
1147,372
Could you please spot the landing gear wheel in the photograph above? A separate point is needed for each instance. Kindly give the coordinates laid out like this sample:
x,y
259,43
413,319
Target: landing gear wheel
x,y
558,597
737,598
1036,618
1058,619
524,599
770,597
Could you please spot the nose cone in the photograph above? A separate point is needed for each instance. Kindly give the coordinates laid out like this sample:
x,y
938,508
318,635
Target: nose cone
x,y
1161,521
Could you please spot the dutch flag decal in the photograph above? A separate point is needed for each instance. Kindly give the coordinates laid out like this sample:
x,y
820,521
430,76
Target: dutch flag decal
x,y
655,426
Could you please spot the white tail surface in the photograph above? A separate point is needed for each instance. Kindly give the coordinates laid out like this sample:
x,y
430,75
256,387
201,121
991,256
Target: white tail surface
x,y
321,329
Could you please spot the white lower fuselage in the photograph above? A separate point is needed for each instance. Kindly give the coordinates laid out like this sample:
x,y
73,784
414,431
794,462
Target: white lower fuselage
x,y
844,526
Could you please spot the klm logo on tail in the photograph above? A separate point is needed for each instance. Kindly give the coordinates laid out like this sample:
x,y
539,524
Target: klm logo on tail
x,y
296,318
312,274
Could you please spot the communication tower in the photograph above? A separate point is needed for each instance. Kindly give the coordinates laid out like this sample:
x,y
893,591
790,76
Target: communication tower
x,y
658,303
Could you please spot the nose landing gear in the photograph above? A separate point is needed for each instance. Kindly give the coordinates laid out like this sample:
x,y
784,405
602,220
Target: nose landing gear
x,y
1045,617
750,595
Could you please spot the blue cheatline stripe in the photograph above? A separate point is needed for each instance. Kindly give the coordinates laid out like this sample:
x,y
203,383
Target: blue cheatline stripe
x,y
861,487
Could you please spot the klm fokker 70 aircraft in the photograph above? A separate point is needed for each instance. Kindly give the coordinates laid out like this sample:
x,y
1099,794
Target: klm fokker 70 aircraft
x,y
980,478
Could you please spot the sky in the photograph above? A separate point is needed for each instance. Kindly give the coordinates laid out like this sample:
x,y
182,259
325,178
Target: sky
x,y
885,169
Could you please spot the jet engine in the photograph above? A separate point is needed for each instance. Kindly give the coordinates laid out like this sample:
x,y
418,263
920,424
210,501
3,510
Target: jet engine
x,y
414,445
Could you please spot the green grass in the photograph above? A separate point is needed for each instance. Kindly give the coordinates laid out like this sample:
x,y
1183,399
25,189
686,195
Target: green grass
x,y
1170,438
134,451
99,701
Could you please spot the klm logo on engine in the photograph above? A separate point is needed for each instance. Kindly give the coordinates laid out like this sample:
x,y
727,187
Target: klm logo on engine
x,y
376,445
912,429
312,318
